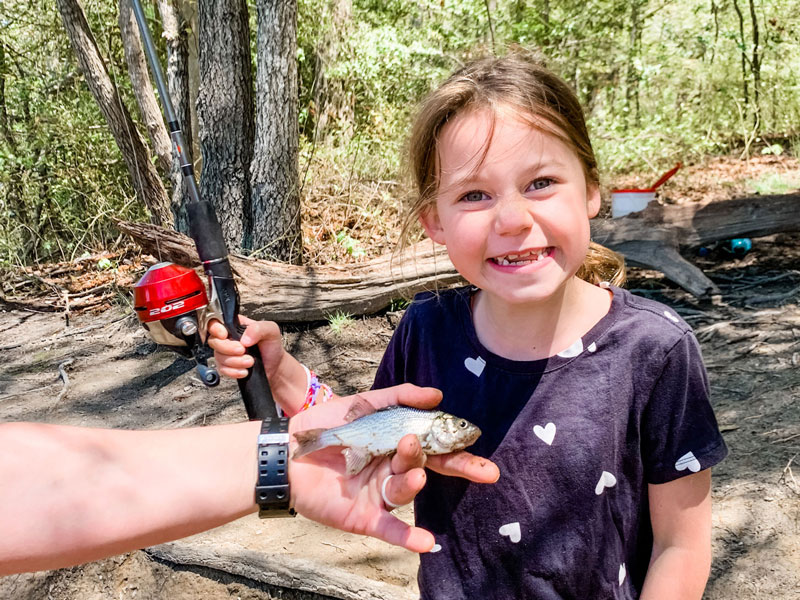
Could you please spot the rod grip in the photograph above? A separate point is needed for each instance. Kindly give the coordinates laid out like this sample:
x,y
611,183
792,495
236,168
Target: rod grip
x,y
256,393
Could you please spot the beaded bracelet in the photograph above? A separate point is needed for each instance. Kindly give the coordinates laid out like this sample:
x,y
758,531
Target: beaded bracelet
x,y
316,391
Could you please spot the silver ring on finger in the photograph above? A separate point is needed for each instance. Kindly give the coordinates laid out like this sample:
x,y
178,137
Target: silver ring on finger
x,y
389,504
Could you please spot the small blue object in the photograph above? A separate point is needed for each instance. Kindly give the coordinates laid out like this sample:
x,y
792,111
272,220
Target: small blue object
x,y
740,246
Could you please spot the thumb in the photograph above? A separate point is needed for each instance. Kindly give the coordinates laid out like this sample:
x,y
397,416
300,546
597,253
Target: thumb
x,y
259,331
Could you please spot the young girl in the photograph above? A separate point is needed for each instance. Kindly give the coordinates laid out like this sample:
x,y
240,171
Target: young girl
x,y
593,402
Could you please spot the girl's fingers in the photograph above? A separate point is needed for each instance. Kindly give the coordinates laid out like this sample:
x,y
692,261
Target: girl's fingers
x,y
226,347
234,362
466,465
232,373
217,330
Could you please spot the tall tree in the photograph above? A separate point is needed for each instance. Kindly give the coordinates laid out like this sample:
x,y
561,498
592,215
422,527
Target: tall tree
x,y
149,188
175,34
225,113
275,195
142,88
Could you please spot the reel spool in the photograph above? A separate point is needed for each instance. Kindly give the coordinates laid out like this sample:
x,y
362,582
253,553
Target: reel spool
x,y
172,305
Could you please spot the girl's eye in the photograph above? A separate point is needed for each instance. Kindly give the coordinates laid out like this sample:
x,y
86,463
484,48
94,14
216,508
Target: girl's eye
x,y
473,196
540,184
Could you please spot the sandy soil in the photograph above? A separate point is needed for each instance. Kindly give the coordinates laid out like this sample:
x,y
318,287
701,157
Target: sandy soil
x,y
117,378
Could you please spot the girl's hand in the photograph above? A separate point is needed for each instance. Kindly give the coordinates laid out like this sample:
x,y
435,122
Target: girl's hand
x,y
322,491
230,356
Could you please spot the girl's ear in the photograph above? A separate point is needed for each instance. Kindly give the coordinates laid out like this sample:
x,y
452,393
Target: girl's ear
x,y
429,219
592,200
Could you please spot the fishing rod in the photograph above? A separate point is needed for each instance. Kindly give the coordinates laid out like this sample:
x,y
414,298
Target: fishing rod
x,y
168,301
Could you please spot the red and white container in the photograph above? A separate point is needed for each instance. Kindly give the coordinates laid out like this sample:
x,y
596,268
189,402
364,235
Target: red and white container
x,y
624,202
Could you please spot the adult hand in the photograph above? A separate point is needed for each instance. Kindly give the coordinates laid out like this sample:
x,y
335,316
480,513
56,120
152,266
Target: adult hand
x,y
322,491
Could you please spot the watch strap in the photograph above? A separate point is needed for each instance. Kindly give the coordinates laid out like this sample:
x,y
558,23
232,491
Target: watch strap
x,y
272,485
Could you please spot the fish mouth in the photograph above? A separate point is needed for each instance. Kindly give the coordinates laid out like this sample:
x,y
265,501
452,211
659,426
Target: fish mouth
x,y
526,257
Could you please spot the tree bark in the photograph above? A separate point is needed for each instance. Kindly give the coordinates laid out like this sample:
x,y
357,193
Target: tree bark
x,y
142,88
178,84
755,67
650,238
742,53
275,217
149,188
225,113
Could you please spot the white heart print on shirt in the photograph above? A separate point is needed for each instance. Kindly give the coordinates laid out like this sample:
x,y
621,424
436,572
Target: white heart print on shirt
x,y
475,365
622,573
607,480
436,548
513,532
546,433
688,461
671,317
575,349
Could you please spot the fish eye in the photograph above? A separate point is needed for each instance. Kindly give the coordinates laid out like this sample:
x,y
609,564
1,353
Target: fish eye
x,y
463,424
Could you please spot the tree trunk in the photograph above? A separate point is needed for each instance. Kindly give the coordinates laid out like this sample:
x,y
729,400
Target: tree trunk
x,y
178,84
149,188
225,113
275,212
142,88
755,67
633,77
742,53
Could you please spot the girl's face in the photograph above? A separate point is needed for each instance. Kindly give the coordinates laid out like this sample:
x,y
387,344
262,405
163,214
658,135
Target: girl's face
x,y
513,206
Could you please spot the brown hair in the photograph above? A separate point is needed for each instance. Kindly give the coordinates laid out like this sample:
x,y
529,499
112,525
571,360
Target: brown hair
x,y
522,83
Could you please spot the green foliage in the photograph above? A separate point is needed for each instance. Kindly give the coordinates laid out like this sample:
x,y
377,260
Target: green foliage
x,y
62,178
660,81
351,246
773,183
339,321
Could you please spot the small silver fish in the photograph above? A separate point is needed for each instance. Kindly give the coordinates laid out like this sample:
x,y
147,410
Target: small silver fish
x,y
378,432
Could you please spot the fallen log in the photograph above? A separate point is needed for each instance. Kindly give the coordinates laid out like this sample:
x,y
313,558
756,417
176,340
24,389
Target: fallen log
x,y
650,238
289,293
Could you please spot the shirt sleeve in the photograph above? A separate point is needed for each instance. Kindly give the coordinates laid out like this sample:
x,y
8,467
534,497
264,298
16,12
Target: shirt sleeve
x,y
680,435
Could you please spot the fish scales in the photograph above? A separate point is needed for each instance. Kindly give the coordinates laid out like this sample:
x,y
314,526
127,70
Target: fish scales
x,y
378,433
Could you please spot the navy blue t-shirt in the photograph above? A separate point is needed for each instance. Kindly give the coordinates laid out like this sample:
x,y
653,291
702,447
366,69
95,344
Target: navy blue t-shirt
x,y
577,437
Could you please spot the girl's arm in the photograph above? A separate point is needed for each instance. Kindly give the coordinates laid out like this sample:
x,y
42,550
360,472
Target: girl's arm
x,y
287,377
680,513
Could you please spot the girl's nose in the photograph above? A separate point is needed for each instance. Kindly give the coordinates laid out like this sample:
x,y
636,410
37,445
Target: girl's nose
x,y
513,216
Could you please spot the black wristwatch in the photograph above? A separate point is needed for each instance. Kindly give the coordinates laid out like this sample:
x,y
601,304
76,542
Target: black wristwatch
x,y
272,487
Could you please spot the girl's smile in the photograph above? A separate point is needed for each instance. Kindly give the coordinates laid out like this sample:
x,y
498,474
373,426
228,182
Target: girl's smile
x,y
525,257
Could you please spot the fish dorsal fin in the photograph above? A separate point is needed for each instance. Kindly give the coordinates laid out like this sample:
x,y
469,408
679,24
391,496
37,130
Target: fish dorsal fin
x,y
307,442
356,459
359,408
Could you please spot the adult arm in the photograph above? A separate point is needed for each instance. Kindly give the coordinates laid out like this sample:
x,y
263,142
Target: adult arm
x,y
71,495
680,513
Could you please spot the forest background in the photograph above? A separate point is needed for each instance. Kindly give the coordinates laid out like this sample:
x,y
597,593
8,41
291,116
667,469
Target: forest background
x,y
661,81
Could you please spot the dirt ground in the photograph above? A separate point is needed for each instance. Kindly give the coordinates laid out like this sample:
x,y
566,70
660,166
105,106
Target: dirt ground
x,y
750,336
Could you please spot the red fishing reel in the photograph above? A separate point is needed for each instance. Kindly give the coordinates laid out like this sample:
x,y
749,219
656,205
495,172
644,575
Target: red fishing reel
x,y
172,305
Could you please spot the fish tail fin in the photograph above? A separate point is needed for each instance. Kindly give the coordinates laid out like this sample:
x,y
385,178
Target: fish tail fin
x,y
308,441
